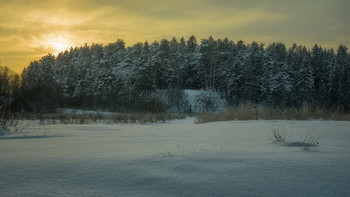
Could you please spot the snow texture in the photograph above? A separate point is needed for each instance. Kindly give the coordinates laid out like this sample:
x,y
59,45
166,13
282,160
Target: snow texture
x,y
180,158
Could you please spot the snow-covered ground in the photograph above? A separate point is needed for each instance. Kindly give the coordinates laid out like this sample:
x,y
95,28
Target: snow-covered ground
x,y
179,158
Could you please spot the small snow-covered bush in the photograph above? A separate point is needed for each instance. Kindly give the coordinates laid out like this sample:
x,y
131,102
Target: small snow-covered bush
x,y
208,101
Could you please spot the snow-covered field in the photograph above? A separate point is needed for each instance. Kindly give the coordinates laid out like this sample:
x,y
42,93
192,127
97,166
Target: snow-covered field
x,y
179,158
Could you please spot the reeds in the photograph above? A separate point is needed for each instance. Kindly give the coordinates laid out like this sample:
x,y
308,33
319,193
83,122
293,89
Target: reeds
x,y
96,118
248,111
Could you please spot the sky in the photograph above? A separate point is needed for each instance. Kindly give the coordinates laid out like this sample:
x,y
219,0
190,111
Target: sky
x,y
30,29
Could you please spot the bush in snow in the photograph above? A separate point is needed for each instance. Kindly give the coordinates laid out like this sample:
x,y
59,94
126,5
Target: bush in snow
x,y
180,101
170,100
8,122
175,101
208,101
152,103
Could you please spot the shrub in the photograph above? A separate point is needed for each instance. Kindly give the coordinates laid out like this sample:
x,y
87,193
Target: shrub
x,y
153,105
307,141
208,101
242,112
277,135
174,100
8,121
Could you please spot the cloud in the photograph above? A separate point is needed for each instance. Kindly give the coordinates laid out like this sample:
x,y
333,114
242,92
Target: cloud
x,y
26,26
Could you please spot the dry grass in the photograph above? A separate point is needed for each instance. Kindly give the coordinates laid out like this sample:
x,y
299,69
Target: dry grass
x,y
271,114
242,112
309,112
127,118
248,111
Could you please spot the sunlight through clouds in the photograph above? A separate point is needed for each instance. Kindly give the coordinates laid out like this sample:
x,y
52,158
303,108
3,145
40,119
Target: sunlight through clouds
x,y
35,28
54,42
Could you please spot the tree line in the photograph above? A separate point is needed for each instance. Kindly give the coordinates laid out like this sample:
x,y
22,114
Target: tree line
x,y
125,79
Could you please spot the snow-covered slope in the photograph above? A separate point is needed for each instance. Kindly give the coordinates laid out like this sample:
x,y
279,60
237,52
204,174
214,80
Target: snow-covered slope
x,y
176,159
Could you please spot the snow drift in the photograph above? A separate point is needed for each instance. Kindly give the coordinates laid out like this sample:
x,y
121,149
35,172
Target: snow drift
x,y
177,159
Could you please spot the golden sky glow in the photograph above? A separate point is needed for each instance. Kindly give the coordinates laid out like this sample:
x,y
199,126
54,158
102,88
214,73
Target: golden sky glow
x,y
29,29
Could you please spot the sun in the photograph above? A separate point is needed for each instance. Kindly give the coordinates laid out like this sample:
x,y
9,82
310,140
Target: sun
x,y
58,44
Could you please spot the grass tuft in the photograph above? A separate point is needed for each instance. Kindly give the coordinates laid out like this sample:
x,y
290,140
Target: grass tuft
x,y
277,135
282,136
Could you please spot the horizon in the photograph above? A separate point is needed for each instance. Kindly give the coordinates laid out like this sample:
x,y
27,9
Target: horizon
x,y
32,29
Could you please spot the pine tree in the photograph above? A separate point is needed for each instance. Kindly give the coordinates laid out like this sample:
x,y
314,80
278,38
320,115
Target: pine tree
x,y
278,78
320,71
225,56
305,79
192,68
208,62
340,78
39,86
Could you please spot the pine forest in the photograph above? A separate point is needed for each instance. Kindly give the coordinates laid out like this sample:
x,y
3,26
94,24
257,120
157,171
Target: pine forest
x,y
158,76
